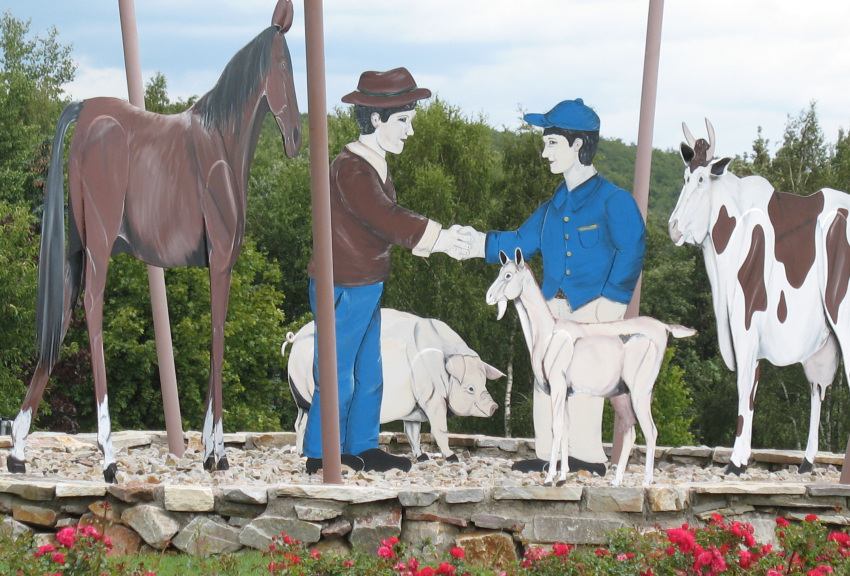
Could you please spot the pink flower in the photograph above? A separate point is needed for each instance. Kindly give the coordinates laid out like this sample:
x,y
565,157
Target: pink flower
x,y
385,552
457,552
427,571
59,558
315,554
46,549
842,538
66,537
348,562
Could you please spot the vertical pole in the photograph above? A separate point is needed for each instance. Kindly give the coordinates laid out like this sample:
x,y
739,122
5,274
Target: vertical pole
x,y
322,243
156,277
643,161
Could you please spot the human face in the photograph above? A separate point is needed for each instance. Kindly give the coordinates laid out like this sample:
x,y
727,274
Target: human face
x,y
559,153
391,134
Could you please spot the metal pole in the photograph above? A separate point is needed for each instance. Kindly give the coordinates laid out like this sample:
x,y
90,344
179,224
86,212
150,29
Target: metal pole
x,y
643,161
156,277
322,243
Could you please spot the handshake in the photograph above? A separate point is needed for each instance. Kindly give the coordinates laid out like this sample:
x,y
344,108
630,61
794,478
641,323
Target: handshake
x,y
461,242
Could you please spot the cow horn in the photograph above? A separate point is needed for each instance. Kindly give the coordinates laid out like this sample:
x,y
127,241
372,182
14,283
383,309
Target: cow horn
x,y
710,153
688,136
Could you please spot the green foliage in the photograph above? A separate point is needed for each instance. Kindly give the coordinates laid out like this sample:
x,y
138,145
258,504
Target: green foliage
x,y
18,278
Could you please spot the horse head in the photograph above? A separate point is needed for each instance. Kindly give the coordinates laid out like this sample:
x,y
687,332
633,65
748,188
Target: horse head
x,y
691,219
280,84
508,284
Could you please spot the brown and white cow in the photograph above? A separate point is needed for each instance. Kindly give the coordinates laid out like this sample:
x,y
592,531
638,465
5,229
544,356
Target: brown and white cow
x,y
779,266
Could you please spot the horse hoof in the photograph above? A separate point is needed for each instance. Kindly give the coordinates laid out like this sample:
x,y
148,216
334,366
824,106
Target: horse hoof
x,y
223,464
16,466
805,466
560,483
736,470
109,473
453,458
209,463
423,457
548,484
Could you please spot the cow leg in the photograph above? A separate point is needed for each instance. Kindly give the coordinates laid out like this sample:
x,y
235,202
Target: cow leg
x,y
300,425
820,370
748,380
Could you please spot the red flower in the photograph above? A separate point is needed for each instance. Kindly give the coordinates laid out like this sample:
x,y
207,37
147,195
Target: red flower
x,y
782,522
46,549
59,558
842,538
457,552
348,562
559,549
315,554
600,552
427,571
682,538
66,537
747,559
812,518
385,552
445,569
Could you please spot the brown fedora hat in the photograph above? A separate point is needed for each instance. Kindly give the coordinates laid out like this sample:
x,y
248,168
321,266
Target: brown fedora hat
x,y
389,89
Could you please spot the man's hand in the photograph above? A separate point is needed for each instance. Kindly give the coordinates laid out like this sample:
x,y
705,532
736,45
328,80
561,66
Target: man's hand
x,y
478,243
455,242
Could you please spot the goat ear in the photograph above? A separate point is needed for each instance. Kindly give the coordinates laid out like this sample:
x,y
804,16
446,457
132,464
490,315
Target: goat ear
x,y
518,256
503,258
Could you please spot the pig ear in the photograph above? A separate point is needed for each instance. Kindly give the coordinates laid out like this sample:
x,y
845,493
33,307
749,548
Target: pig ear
x,y
492,372
456,366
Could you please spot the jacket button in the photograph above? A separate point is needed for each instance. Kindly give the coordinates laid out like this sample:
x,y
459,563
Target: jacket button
x,y
566,218
566,236
568,272
569,253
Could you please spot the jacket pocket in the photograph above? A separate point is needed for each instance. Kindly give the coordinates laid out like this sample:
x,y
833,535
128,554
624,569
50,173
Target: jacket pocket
x,y
589,235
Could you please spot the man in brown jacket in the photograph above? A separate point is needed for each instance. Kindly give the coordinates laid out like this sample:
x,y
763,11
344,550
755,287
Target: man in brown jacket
x,y
366,221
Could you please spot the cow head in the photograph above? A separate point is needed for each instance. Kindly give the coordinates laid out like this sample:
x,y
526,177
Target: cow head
x,y
690,221
467,394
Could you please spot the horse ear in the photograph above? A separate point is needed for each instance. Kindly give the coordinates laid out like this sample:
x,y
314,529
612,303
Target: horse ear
x,y
503,258
282,16
518,256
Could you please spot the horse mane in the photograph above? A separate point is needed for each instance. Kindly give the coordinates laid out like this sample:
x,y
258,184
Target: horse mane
x,y
221,105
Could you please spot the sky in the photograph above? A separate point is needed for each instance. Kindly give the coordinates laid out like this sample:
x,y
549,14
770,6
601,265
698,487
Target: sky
x,y
743,64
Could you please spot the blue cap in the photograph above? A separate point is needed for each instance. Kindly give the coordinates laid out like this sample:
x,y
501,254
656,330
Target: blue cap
x,y
568,115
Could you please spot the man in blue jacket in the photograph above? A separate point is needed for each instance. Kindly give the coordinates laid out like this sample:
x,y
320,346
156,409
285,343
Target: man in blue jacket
x,y
592,238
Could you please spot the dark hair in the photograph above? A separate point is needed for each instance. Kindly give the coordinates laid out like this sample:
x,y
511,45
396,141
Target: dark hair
x,y
589,139
363,115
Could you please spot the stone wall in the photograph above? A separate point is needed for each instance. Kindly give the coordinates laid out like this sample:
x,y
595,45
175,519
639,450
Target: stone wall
x,y
201,519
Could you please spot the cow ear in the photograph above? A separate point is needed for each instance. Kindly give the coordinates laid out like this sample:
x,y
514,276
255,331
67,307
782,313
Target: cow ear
x,y
455,366
503,258
687,153
518,256
718,168
492,373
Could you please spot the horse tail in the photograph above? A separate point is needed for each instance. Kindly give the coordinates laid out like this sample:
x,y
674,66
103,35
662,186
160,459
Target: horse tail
x,y
52,276
679,331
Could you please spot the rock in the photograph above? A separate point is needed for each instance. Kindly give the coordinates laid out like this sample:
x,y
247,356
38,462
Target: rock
x,y
189,498
13,528
463,495
318,512
80,489
125,542
259,533
35,515
422,497
133,493
488,549
667,498
496,522
203,537
368,531
571,529
614,499
153,524
246,494
439,535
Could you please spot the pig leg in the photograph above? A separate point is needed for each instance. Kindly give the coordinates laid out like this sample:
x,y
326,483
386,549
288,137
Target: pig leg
x,y
435,409
412,431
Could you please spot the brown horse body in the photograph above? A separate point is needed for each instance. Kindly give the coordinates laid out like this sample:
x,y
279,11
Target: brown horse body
x,y
169,190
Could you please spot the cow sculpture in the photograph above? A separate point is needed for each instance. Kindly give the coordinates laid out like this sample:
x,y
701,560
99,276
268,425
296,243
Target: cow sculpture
x,y
779,266
429,372
602,359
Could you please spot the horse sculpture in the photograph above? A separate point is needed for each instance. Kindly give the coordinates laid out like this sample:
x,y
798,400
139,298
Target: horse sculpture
x,y
779,266
601,359
170,191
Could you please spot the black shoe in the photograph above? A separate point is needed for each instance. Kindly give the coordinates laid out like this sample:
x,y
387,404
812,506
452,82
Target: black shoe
x,y
530,465
377,460
598,468
353,462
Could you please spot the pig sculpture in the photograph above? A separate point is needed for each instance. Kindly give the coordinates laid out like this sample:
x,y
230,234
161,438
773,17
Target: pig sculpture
x,y
429,372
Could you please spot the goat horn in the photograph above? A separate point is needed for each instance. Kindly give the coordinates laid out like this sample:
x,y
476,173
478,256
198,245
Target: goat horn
x,y
710,153
688,136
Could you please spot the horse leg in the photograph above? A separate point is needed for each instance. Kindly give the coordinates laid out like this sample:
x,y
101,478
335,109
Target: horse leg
x,y
560,420
214,455
820,370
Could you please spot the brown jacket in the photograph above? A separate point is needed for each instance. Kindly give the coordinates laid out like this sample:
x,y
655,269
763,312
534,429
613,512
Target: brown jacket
x,y
366,221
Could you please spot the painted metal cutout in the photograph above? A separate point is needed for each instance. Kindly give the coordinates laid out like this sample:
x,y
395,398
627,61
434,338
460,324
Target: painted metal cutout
x,y
779,266
169,190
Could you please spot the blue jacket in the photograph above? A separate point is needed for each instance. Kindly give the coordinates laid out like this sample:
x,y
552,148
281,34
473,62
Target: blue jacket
x,y
592,241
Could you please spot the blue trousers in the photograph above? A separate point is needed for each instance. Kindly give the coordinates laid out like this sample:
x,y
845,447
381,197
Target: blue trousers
x,y
357,314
